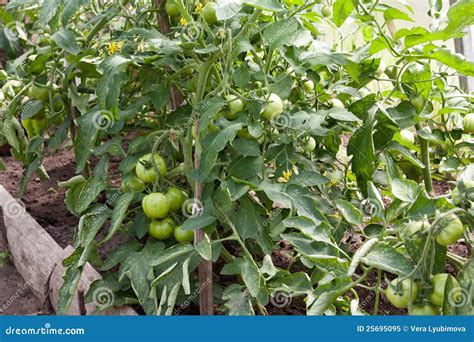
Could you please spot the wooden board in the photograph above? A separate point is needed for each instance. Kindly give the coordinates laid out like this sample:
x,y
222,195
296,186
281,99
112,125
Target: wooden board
x,y
38,258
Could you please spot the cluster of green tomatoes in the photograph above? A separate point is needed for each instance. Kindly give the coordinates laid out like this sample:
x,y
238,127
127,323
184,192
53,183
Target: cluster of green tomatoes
x,y
402,292
159,206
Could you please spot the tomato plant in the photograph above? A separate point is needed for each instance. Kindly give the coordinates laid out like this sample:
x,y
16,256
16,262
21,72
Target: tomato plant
x,y
241,127
402,292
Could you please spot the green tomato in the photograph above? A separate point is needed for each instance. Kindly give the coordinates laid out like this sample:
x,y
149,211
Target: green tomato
x,y
424,310
336,103
145,168
245,134
310,145
209,13
175,198
182,235
156,205
451,231
410,229
38,93
308,86
468,123
39,124
407,137
235,106
273,108
400,296
172,8
134,185
326,11
162,229
439,285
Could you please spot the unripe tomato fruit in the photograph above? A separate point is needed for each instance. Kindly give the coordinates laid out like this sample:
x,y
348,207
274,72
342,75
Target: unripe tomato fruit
x,y
38,93
310,145
468,123
235,106
424,310
162,229
308,86
336,103
145,168
175,198
182,235
39,124
156,205
209,13
172,8
134,185
273,108
326,11
409,229
451,231
439,284
400,297
407,137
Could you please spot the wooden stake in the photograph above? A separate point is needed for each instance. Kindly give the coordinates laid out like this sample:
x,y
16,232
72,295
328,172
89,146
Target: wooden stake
x,y
206,300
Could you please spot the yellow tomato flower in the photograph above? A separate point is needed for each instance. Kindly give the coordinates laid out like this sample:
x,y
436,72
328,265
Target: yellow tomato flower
x,y
183,21
286,176
114,47
198,8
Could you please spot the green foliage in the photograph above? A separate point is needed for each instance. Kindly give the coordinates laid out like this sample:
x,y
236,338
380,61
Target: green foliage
x,y
102,80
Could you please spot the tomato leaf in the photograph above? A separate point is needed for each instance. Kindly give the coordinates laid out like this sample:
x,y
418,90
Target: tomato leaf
x,y
405,190
66,40
350,213
342,9
251,277
118,215
387,258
